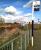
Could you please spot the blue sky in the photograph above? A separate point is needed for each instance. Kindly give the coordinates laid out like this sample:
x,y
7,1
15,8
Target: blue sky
x,y
18,5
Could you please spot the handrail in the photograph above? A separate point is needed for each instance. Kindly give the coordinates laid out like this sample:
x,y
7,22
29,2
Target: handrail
x,y
9,42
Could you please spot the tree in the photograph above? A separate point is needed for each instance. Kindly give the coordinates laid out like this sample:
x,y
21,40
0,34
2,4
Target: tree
x,y
2,20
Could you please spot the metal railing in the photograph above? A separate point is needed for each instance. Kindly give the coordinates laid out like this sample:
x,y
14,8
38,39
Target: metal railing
x,y
19,43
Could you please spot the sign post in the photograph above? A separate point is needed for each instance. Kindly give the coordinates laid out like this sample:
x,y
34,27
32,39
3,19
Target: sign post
x,y
35,7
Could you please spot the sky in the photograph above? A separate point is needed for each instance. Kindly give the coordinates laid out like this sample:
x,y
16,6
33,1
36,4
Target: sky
x,y
16,8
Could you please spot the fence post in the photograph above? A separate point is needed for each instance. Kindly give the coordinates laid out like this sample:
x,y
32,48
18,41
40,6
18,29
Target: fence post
x,y
11,45
21,42
7,47
29,34
25,41
2,48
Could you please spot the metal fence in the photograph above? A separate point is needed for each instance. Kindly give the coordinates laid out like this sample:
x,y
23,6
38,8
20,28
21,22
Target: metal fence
x,y
19,43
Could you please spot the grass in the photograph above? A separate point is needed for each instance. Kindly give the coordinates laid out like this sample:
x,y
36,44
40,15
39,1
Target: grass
x,y
37,33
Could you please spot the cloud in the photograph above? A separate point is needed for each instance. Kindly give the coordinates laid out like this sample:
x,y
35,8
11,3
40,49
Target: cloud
x,y
8,18
28,14
18,12
28,4
11,18
10,14
10,10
